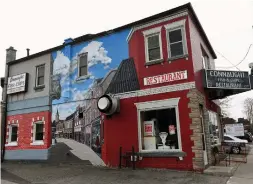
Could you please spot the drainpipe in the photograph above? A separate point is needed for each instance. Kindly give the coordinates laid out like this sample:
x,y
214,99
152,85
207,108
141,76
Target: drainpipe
x,y
10,56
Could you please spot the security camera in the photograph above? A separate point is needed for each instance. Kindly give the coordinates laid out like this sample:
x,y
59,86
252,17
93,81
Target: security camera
x,y
251,65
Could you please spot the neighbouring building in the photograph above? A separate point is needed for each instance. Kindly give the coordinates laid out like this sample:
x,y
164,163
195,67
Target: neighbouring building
x,y
161,72
28,125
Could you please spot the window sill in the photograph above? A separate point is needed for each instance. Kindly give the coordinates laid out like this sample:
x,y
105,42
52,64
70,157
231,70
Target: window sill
x,y
178,57
78,79
37,143
159,153
159,61
39,87
11,144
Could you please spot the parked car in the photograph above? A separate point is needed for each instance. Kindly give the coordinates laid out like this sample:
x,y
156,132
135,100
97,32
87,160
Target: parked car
x,y
234,144
247,136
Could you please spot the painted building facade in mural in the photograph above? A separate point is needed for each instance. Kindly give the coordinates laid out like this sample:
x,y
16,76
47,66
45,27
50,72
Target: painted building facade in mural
x,y
81,74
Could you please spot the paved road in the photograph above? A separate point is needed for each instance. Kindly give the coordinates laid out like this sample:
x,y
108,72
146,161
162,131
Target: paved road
x,y
76,173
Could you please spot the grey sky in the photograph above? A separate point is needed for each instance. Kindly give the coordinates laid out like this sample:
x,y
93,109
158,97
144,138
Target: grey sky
x,y
40,25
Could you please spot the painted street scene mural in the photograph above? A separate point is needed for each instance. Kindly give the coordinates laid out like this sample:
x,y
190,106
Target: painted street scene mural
x,y
81,74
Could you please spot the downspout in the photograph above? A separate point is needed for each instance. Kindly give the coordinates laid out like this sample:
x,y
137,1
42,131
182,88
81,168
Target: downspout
x,y
10,56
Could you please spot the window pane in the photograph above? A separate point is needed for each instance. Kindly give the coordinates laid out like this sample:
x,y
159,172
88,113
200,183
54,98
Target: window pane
x,y
175,36
14,134
41,70
39,136
39,128
176,49
83,70
40,81
83,60
154,54
153,123
153,41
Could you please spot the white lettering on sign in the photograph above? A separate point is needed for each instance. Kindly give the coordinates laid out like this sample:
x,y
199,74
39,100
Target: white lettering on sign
x,y
16,83
168,77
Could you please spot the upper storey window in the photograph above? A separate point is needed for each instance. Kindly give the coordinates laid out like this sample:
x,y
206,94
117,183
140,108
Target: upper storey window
x,y
176,38
153,45
83,65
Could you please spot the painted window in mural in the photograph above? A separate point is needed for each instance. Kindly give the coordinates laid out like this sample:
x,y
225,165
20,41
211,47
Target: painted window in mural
x,y
81,74
214,127
159,130
82,65
40,72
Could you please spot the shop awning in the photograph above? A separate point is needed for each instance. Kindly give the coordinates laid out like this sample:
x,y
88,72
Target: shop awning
x,y
219,84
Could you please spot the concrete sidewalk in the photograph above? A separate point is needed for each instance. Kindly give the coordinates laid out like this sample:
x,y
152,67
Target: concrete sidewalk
x,y
244,173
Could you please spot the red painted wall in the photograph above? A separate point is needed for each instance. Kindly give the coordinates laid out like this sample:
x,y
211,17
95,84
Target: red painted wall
x,y
122,130
137,51
196,42
25,128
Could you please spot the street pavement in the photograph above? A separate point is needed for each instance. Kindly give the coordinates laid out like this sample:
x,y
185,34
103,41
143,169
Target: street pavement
x,y
88,174
244,173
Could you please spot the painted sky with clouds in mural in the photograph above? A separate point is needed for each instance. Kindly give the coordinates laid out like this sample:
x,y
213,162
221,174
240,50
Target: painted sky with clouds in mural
x,y
104,53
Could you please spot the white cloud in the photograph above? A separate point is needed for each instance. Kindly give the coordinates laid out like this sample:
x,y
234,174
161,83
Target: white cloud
x,y
96,54
61,64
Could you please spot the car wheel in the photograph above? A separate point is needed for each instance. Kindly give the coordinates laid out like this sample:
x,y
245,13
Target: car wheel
x,y
236,150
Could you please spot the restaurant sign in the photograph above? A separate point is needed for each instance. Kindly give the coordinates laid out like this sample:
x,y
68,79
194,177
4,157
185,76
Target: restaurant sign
x,y
17,83
227,79
168,77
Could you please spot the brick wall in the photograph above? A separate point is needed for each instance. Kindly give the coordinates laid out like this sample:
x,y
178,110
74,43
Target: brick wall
x,y
195,100
25,124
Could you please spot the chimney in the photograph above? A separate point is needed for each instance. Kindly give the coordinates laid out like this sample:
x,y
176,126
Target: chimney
x,y
10,54
27,51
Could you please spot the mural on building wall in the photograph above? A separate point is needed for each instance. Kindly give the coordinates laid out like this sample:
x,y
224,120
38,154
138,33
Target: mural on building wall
x,y
74,109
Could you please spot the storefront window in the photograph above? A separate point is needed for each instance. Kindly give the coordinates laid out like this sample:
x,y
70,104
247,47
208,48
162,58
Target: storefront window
x,y
214,127
159,129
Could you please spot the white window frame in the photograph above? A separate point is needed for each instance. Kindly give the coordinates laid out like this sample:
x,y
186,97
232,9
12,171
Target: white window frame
x,y
158,105
78,64
12,143
37,72
38,142
149,33
172,27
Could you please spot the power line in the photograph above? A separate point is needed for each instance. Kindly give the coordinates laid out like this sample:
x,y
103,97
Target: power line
x,y
237,63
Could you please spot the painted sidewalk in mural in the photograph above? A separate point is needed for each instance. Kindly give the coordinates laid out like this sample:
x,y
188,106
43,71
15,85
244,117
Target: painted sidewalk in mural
x,y
82,151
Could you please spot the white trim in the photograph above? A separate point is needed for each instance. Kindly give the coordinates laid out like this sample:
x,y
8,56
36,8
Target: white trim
x,y
37,143
149,33
11,144
32,120
10,133
159,104
173,16
33,131
157,90
172,102
43,118
152,31
175,26
9,122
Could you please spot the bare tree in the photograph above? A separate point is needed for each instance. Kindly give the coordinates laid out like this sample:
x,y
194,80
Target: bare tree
x,y
248,108
225,104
